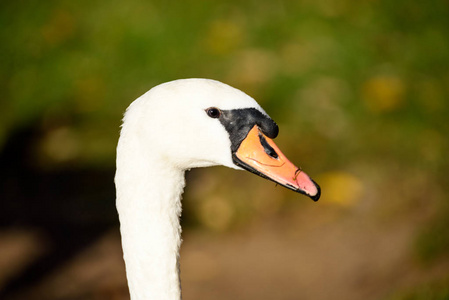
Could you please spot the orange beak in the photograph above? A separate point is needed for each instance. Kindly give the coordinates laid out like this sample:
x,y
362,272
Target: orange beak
x,y
259,154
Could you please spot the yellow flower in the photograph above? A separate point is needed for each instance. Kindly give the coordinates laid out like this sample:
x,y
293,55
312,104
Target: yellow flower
x,y
383,93
341,188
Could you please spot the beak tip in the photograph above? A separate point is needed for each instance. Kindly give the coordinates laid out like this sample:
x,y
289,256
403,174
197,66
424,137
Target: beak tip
x,y
317,196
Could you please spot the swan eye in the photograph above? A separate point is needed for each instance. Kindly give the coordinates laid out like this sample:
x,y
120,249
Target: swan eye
x,y
213,112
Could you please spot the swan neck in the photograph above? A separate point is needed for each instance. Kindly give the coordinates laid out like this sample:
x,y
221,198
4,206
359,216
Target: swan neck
x,y
149,207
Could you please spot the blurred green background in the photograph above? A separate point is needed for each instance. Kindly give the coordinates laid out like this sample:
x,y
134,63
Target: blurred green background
x,y
359,89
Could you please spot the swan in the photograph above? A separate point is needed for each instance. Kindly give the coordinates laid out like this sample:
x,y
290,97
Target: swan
x,y
176,126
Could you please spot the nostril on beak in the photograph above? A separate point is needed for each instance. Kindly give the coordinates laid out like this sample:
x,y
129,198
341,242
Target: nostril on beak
x,y
268,149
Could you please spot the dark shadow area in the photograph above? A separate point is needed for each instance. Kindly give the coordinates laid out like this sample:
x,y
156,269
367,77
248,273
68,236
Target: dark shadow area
x,y
70,208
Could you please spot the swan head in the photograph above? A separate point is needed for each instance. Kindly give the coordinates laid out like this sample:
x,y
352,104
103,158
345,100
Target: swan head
x,y
191,123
